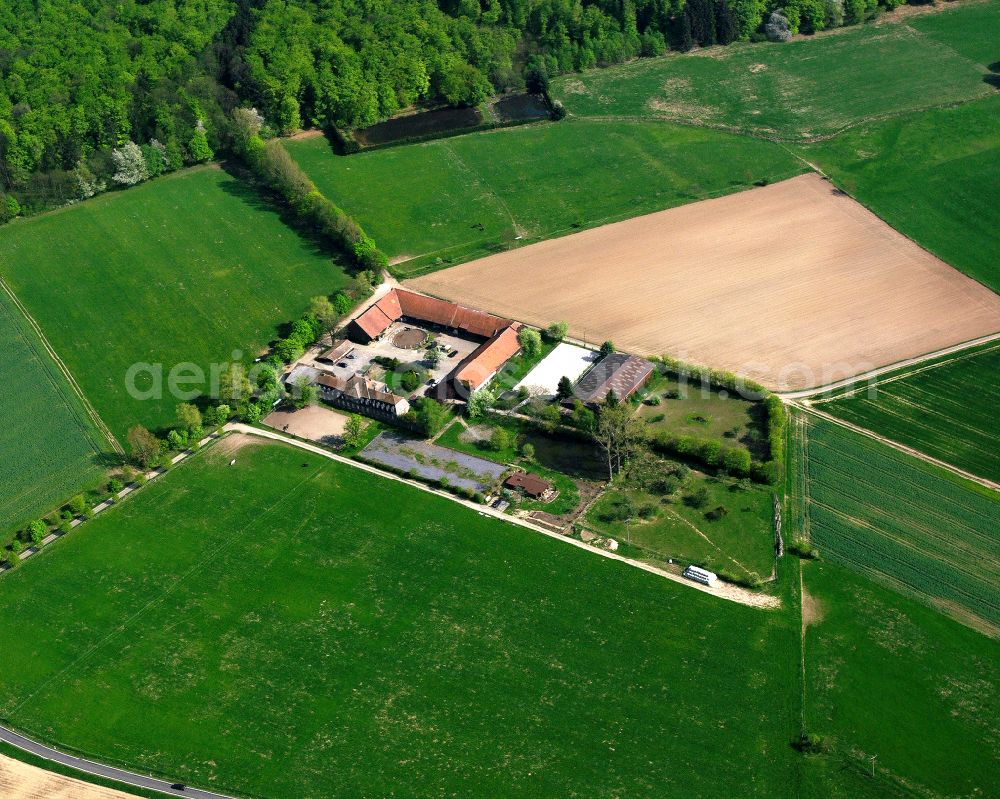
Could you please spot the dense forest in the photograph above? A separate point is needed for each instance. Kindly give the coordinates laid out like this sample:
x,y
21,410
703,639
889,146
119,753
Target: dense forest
x,y
101,92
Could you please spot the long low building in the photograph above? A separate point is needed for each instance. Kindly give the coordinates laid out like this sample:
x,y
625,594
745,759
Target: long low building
x,y
361,395
401,305
618,372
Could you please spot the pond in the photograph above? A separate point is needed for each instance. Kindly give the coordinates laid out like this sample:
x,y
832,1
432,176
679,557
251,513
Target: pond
x,y
569,456
520,108
425,123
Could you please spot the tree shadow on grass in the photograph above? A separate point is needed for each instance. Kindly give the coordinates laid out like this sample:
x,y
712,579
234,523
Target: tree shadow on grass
x,y
243,186
108,460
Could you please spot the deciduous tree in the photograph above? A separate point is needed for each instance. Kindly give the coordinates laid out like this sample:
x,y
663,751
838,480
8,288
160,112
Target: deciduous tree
x,y
145,447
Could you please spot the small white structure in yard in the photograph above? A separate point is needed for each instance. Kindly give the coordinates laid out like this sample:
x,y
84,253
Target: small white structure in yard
x,y
611,545
566,360
700,575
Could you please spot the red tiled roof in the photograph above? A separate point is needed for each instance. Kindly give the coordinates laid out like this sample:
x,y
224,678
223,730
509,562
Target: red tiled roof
x,y
429,309
479,323
373,321
483,363
487,359
389,305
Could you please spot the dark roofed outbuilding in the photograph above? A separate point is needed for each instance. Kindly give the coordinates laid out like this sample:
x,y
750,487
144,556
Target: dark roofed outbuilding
x,y
529,484
619,372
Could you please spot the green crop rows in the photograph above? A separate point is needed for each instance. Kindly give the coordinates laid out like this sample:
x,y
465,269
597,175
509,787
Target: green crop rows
x,y
48,448
947,410
886,514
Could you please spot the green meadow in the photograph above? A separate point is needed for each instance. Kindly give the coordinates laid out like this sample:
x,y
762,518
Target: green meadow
x,y
186,268
49,449
890,679
798,90
945,409
741,542
969,28
322,632
442,202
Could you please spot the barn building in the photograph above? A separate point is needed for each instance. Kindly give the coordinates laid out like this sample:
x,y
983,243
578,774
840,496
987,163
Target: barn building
x,y
473,372
619,372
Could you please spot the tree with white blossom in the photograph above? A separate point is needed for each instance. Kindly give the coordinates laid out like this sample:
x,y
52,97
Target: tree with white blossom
x,y
130,164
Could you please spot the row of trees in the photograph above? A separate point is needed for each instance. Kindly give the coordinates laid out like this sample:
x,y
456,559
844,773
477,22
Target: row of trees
x,y
276,169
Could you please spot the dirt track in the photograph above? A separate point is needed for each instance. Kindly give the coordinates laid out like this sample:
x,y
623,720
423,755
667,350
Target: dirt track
x,y
20,781
794,284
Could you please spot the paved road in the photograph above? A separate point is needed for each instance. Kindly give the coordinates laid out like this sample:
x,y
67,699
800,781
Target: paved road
x,y
99,770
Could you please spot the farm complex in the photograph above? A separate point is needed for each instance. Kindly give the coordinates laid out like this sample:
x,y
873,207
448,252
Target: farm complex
x,y
504,399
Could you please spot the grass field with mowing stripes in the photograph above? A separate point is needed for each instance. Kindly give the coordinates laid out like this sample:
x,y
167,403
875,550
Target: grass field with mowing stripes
x,y
890,678
186,268
442,202
891,516
322,632
947,410
48,447
794,91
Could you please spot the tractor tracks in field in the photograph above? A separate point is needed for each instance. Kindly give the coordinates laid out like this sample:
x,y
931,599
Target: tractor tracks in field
x,y
806,407
89,409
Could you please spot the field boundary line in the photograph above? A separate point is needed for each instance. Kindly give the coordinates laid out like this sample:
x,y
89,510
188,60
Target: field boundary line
x,y
897,446
518,231
730,593
87,429
808,393
962,355
74,386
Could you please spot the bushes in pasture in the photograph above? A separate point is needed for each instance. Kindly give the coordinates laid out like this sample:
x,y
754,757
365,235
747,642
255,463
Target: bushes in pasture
x,y
733,460
706,451
801,547
751,580
712,378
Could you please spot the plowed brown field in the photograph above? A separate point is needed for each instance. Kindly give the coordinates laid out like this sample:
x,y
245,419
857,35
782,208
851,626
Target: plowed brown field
x,y
794,284
20,781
